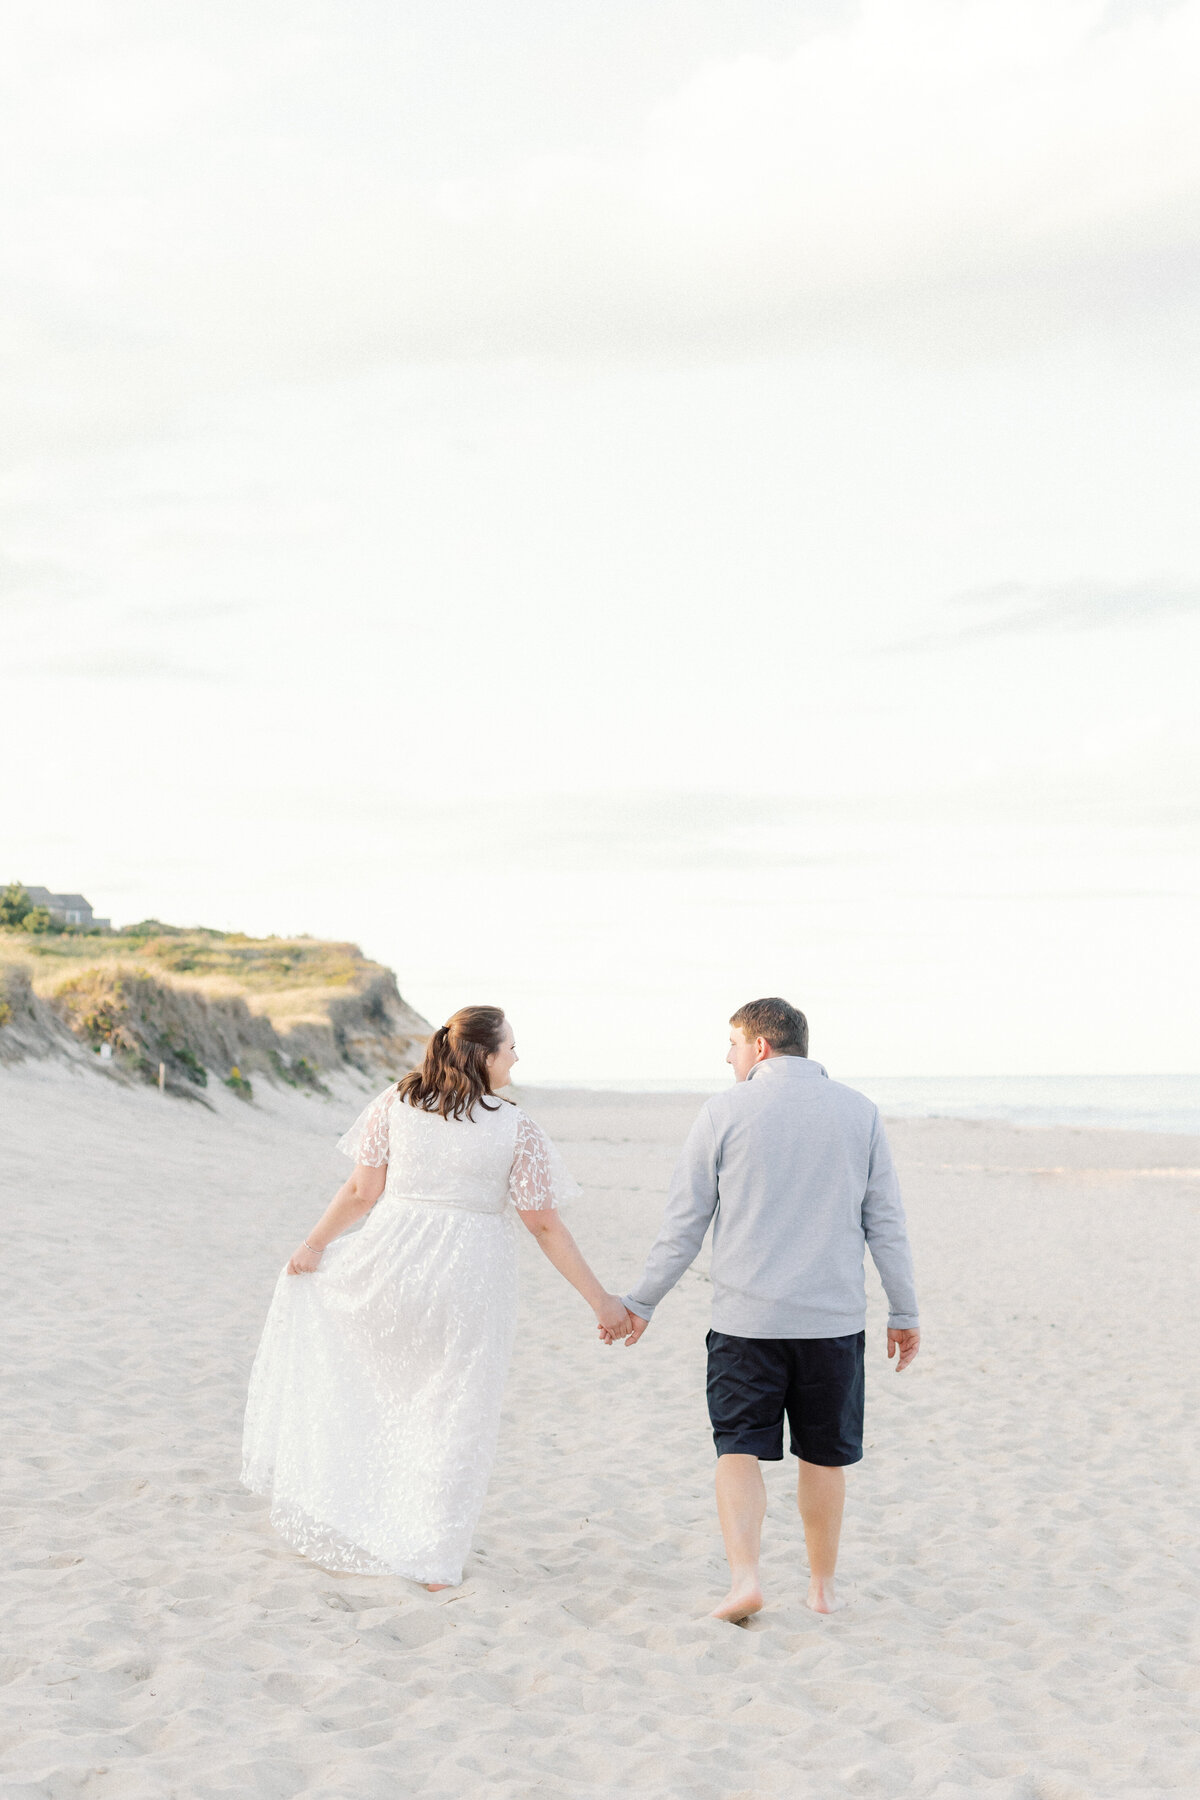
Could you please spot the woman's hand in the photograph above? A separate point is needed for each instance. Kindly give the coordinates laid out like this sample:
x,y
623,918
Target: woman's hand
x,y
612,1320
354,1198
305,1260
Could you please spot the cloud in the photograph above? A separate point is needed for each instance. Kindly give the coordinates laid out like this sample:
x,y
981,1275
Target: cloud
x,y
170,613
738,839
111,665
1011,608
598,833
938,172
26,582
220,202
1120,12
615,831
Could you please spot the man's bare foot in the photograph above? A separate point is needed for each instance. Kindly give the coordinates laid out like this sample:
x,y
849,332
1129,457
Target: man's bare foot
x,y
739,1603
821,1596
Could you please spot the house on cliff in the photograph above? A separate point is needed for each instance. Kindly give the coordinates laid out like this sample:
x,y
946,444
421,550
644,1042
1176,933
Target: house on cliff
x,y
67,909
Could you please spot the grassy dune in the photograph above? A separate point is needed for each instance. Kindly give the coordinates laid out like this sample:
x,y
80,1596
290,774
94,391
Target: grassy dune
x,y
204,1004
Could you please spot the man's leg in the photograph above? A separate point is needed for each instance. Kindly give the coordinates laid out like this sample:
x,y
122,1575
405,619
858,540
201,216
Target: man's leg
x,y
821,1496
741,1508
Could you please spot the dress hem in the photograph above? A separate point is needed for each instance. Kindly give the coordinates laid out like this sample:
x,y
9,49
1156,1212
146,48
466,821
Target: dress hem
x,y
343,1556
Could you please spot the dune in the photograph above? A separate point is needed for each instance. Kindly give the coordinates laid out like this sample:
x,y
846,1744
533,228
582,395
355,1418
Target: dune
x,y
177,1006
1019,1548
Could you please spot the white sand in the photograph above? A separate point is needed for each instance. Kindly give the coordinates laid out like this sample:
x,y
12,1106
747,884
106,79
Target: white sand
x,y
1020,1542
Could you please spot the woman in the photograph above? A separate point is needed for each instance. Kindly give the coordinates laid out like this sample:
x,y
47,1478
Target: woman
x,y
375,1398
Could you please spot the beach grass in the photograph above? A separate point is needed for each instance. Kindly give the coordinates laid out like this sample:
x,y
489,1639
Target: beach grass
x,y
175,1002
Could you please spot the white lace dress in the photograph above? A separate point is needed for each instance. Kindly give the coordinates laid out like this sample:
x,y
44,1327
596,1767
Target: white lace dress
x,y
374,1400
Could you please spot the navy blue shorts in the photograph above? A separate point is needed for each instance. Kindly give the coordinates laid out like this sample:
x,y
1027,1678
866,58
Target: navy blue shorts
x,y
817,1382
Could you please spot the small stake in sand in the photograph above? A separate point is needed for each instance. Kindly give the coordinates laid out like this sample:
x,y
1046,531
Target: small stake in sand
x,y
162,1078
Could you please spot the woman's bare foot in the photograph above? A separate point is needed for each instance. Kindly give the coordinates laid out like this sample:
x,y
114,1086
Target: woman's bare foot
x,y
742,1599
821,1596
435,1587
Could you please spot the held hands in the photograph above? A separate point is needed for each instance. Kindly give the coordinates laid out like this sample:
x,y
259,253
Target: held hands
x,y
305,1260
906,1342
614,1320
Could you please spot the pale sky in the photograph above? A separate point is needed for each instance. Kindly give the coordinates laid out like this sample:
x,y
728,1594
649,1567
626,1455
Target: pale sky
x,y
621,508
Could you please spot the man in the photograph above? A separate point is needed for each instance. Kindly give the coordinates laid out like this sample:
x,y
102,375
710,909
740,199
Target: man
x,y
795,1173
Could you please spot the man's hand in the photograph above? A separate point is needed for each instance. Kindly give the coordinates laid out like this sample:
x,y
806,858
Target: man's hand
x,y
906,1342
631,1330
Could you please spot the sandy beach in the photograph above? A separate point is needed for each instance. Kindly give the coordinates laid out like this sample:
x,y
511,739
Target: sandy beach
x,y
1019,1554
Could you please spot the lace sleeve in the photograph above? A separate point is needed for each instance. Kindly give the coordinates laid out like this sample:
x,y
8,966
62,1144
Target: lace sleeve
x,y
366,1141
539,1178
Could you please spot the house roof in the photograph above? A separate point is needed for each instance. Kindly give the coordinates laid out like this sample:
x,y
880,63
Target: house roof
x,y
40,896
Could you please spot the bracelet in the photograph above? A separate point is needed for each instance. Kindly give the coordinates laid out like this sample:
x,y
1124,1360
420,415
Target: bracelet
x,y
311,1247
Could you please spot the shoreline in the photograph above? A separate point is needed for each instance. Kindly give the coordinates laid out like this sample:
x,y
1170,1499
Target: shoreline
x,y
1177,1112
1182,1121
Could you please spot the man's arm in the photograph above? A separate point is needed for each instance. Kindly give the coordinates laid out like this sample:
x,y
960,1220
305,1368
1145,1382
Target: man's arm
x,y
887,1238
691,1203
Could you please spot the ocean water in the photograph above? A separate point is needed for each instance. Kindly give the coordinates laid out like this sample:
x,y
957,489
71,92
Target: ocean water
x,y
1120,1102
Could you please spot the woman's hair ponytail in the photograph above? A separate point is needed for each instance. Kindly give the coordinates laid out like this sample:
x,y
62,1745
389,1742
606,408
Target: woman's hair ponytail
x,y
453,1078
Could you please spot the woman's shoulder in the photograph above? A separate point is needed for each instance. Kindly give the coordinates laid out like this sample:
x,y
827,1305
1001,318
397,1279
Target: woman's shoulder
x,y
502,1113
527,1133
528,1127
367,1139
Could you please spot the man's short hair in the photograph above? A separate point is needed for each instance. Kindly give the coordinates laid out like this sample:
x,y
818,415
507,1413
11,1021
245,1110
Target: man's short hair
x,y
784,1027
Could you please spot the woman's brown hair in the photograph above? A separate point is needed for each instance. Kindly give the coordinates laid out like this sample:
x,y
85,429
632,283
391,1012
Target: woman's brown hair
x,y
453,1079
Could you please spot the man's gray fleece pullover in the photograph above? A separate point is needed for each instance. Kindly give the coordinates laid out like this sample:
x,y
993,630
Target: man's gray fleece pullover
x,y
794,1173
